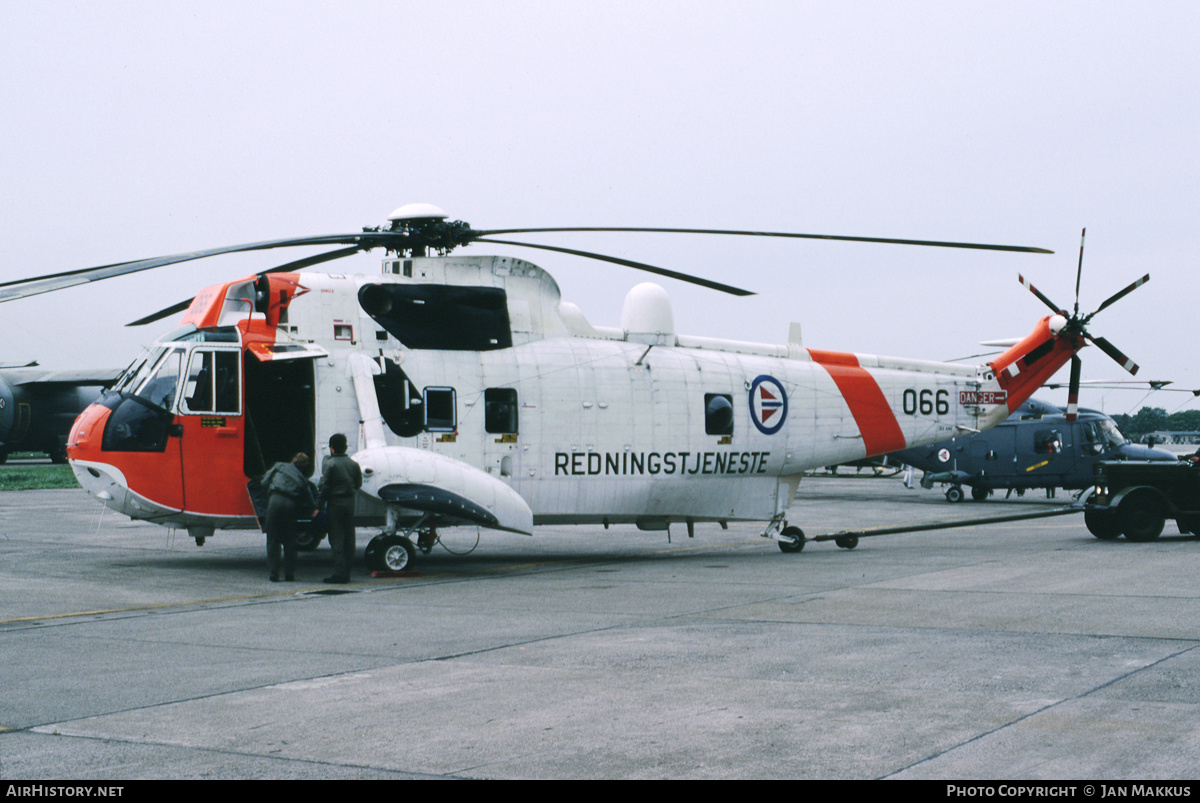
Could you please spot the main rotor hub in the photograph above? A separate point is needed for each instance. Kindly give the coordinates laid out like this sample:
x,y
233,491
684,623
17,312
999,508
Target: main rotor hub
x,y
425,227
416,212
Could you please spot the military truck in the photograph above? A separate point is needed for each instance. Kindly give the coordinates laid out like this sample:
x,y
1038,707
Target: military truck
x,y
1135,498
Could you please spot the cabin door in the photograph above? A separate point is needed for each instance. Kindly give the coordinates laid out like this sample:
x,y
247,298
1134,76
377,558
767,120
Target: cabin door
x,y
280,411
213,427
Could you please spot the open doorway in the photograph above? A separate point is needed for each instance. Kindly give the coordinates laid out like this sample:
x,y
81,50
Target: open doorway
x,y
280,412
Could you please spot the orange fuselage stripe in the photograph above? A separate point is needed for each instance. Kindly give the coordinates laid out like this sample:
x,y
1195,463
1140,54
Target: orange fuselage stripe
x,y
872,413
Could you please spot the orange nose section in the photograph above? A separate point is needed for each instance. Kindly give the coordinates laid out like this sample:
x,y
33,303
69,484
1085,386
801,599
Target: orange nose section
x,y
83,443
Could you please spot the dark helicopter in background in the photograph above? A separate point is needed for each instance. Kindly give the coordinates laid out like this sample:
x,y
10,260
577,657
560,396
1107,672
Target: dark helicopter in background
x,y
1038,446
38,407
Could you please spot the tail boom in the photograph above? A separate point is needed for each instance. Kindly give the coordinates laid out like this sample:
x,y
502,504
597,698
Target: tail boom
x,y
1028,365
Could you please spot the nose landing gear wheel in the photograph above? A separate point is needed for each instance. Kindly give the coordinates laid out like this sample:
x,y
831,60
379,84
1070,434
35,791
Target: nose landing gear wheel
x,y
795,542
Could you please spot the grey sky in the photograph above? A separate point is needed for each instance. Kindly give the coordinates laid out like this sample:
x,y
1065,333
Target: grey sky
x,y
135,129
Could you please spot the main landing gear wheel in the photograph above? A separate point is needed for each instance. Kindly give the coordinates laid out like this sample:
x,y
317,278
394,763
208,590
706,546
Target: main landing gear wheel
x,y
979,494
954,493
308,541
793,540
847,541
389,553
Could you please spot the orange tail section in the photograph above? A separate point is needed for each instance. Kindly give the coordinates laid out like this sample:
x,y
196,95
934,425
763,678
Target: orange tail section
x,y
1028,365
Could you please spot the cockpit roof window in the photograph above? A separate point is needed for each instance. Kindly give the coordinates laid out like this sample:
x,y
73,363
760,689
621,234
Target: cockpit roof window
x,y
178,333
212,334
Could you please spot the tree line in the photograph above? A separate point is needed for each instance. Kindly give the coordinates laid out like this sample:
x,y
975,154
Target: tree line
x,y
1154,419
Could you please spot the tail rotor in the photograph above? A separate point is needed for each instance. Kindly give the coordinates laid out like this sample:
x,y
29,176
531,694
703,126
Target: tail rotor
x,y
1076,324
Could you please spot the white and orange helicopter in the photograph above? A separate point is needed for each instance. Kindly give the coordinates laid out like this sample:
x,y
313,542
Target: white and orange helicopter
x,y
473,395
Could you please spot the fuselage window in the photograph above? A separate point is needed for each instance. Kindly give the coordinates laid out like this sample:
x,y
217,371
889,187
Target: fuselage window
x,y
1047,441
500,410
135,425
718,414
440,317
213,384
440,410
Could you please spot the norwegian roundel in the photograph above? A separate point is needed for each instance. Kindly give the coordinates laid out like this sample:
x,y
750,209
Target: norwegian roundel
x,y
944,455
768,404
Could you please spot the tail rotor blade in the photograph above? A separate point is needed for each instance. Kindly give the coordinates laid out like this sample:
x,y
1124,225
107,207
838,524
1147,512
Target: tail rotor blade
x,y
1079,270
1073,389
1118,296
1029,286
1114,352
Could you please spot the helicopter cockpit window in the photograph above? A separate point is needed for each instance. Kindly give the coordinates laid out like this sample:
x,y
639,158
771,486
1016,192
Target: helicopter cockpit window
x,y
1111,434
1047,441
1093,439
718,414
135,425
212,383
160,387
500,410
440,410
137,371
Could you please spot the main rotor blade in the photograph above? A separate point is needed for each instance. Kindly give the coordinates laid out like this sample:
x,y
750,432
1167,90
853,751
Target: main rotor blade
x,y
1118,296
1114,352
23,288
163,313
299,264
683,277
1029,286
888,240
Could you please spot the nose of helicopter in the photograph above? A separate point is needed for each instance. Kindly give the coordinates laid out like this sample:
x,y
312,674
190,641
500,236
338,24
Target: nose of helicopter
x,y
105,482
98,477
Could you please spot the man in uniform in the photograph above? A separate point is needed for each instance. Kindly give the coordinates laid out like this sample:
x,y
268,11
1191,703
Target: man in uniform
x,y
288,495
340,480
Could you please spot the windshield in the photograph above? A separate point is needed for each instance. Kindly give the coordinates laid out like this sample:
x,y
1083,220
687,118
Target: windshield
x,y
137,371
1102,436
159,387
134,377
1111,434
154,376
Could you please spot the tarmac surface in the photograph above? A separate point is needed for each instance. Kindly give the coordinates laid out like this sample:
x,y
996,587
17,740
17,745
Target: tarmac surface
x,y
1026,650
